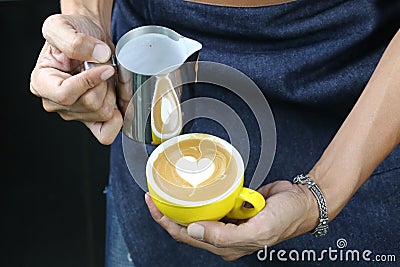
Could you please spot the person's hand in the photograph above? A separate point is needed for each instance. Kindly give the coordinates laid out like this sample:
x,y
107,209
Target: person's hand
x,y
290,210
58,77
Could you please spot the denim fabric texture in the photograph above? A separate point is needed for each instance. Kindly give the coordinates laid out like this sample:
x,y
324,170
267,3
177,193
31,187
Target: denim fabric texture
x,y
117,253
312,60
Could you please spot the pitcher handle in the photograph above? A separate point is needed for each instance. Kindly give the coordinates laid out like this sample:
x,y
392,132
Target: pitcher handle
x,y
112,62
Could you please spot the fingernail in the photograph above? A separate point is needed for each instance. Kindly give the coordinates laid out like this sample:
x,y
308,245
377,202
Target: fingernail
x,y
196,231
101,53
107,74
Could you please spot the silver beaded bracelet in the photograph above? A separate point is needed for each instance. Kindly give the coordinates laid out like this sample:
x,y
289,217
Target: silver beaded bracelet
x,y
322,227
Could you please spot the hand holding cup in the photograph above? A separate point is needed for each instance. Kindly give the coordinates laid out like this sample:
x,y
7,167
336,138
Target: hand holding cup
x,y
196,177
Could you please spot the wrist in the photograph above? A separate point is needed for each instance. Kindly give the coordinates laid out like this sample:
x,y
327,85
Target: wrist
x,y
322,227
311,218
98,11
337,184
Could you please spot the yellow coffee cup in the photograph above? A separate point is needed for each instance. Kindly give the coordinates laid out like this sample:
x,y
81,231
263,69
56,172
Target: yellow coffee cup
x,y
229,203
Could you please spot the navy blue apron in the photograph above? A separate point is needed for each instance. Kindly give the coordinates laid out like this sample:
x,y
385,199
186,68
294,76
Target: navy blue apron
x,y
311,59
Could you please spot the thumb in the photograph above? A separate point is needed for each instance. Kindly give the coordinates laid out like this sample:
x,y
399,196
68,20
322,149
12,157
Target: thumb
x,y
60,32
217,233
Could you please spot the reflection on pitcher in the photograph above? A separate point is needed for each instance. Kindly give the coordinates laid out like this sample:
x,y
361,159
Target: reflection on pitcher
x,y
166,115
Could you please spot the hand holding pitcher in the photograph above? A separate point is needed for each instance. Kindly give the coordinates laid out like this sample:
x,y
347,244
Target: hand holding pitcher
x,y
87,96
150,83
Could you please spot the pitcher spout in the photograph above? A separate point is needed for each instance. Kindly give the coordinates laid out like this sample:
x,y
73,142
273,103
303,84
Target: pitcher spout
x,y
191,46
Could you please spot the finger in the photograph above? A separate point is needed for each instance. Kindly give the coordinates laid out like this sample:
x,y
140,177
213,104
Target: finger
x,y
154,211
219,234
51,106
90,102
274,188
93,100
82,82
106,132
157,215
214,233
33,90
60,33
176,231
103,114
96,98
180,233
65,89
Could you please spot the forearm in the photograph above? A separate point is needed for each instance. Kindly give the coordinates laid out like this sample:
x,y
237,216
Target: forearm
x,y
97,9
368,135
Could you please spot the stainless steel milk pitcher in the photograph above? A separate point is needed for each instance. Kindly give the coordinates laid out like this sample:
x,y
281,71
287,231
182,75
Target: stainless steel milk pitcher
x,y
150,67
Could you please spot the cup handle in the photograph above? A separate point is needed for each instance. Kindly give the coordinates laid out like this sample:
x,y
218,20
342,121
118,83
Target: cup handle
x,y
250,196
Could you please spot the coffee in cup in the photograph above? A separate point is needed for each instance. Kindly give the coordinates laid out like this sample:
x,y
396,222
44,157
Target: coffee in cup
x,y
196,177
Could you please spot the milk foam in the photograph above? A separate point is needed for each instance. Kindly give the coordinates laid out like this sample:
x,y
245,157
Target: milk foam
x,y
195,171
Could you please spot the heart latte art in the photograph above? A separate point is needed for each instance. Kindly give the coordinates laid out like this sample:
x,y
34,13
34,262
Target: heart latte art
x,y
195,169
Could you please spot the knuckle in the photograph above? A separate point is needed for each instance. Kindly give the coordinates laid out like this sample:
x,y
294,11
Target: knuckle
x,y
77,44
91,102
63,98
108,115
107,112
105,140
88,81
230,258
227,258
218,240
49,23
46,23
32,90
268,231
31,85
46,106
65,116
